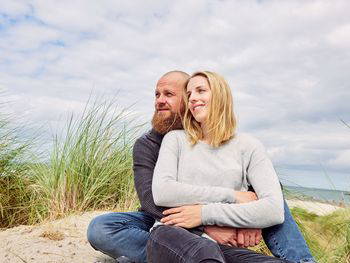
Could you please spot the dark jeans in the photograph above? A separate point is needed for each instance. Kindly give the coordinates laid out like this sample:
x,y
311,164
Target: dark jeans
x,y
176,244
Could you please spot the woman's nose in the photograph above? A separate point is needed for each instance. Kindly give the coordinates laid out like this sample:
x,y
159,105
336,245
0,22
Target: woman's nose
x,y
193,97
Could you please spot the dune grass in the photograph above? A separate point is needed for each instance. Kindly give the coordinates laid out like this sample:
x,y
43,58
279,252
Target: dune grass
x,y
90,166
14,193
328,237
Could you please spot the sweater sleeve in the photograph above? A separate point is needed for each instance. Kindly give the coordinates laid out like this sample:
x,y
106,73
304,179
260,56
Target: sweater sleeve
x,y
268,210
168,192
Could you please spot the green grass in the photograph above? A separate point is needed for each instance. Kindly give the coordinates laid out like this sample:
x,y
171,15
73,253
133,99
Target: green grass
x,y
14,193
90,166
328,237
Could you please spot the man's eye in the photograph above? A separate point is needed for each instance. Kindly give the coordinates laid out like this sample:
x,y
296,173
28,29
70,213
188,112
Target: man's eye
x,y
157,95
168,94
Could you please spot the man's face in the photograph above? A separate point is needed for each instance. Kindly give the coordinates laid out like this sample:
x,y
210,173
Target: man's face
x,y
168,104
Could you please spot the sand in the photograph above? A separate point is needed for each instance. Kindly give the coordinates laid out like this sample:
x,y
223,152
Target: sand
x,y
58,241
320,209
64,240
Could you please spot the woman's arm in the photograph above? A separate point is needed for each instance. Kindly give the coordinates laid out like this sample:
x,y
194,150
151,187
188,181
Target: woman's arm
x,y
266,211
169,193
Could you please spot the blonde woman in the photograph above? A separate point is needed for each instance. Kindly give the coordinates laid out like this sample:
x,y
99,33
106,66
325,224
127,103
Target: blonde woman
x,y
204,171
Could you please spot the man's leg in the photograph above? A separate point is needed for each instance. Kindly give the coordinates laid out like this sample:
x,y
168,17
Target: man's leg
x,y
286,241
121,234
178,245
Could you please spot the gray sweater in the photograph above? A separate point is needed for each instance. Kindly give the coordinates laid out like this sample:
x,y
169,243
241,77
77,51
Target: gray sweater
x,y
202,174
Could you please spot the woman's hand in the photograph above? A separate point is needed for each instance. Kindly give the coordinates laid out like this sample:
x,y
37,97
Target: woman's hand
x,y
245,197
187,216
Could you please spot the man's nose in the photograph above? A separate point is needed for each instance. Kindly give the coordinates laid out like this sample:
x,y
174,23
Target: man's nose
x,y
161,99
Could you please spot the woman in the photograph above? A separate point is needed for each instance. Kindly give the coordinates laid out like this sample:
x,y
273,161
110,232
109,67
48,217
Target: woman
x,y
205,170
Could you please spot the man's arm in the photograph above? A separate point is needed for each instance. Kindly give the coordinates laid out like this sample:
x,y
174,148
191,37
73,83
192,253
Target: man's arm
x,y
145,158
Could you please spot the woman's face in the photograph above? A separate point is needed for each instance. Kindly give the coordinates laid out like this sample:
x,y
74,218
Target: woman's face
x,y
199,95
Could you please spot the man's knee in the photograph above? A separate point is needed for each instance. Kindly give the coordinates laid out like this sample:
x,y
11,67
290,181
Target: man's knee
x,y
95,230
101,227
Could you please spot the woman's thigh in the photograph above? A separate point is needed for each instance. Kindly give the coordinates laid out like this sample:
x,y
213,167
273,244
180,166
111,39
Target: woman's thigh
x,y
176,244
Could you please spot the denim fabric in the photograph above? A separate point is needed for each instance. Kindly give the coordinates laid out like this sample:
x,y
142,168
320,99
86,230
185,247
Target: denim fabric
x,y
175,244
121,234
126,234
286,241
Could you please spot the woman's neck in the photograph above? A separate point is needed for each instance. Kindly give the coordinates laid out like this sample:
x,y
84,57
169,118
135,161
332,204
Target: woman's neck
x,y
205,133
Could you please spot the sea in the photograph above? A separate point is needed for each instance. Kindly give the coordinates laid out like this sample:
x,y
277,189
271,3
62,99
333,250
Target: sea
x,y
324,195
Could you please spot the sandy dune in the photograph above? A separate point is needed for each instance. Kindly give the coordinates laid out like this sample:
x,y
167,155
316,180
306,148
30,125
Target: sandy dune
x,y
65,240
34,244
314,207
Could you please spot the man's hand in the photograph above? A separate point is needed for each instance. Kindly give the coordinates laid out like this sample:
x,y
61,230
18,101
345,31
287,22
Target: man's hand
x,y
187,216
245,197
222,235
248,237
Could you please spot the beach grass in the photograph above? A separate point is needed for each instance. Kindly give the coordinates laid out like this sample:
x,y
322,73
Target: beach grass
x,y
14,193
90,166
328,237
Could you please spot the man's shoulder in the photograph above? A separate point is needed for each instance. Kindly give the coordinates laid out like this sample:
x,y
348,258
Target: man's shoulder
x,y
148,140
150,136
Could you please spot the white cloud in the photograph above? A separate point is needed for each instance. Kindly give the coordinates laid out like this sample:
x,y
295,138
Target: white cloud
x,y
340,36
342,160
286,61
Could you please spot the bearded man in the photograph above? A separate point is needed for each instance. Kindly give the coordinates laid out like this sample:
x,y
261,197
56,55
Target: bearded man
x,y
124,236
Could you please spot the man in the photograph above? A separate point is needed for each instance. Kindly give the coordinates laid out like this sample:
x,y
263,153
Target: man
x,y
126,234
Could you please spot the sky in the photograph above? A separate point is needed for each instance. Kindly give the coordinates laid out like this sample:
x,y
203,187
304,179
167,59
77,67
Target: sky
x,y
287,63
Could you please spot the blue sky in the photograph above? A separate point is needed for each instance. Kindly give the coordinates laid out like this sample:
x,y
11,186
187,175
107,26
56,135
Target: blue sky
x,y
287,63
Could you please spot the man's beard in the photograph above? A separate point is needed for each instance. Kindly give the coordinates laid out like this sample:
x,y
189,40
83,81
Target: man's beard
x,y
163,125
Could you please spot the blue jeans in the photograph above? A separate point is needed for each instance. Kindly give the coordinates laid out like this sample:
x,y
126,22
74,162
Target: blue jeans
x,y
285,240
126,234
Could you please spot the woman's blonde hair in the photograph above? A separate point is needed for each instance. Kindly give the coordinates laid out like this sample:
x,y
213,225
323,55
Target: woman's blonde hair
x,y
221,121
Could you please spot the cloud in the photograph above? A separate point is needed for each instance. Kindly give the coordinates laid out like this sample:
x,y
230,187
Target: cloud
x,y
287,64
340,36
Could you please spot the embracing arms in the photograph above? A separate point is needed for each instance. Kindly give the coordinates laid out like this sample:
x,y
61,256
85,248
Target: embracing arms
x,y
266,211
145,154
